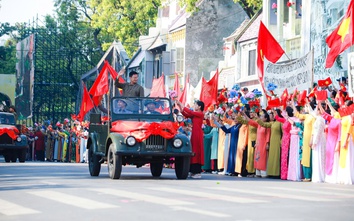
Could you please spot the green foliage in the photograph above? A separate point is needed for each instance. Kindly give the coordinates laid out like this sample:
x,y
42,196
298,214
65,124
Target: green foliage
x,y
125,20
8,57
6,29
250,6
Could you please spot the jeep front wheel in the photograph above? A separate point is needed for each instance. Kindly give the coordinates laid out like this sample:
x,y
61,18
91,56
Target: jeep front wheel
x,y
182,165
94,162
156,169
22,155
13,156
114,163
7,156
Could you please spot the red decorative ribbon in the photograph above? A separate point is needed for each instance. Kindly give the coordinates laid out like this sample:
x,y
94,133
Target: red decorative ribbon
x,y
11,131
142,130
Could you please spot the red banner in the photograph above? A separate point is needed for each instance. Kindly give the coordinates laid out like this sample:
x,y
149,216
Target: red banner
x,y
142,130
12,132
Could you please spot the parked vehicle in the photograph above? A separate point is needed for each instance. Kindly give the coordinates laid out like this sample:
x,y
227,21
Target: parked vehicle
x,y
13,144
144,133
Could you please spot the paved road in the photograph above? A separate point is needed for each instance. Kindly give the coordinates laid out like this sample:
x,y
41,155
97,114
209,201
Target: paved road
x,y
63,191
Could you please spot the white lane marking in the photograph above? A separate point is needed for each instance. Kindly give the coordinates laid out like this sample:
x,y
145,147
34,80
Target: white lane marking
x,y
234,199
11,209
142,197
280,195
339,188
201,212
49,183
72,200
311,191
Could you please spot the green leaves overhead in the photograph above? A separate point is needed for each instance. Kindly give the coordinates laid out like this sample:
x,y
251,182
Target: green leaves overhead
x,y
126,20
250,6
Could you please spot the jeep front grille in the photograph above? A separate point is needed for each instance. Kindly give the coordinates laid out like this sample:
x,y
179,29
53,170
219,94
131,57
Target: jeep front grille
x,y
6,139
156,143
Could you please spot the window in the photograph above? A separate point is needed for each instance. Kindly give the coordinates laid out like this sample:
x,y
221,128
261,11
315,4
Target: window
x,y
180,60
251,62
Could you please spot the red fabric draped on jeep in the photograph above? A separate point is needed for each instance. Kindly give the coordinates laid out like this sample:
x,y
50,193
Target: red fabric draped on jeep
x,y
142,130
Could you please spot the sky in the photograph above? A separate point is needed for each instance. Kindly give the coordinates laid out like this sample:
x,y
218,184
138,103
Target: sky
x,y
13,11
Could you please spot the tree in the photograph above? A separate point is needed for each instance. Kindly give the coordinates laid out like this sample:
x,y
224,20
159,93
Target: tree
x,y
8,57
125,20
250,6
6,29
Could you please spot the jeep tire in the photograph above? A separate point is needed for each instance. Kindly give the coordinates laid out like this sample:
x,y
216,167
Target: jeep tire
x,y
182,165
114,163
7,156
13,156
94,162
156,169
22,155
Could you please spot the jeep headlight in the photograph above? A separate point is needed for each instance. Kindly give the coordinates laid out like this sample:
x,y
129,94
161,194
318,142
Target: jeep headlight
x,y
130,141
177,143
19,139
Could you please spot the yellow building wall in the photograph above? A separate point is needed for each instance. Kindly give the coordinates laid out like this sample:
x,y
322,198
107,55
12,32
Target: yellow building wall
x,y
7,85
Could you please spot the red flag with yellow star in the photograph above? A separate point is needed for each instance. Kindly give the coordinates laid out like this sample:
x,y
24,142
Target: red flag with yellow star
x,y
285,95
342,87
267,47
312,93
342,37
325,83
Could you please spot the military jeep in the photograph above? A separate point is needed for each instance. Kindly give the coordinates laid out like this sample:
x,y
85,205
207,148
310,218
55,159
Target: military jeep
x,y
13,144
139,131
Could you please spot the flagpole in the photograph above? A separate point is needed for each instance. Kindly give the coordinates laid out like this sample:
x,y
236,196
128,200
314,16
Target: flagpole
x,y
108,109
313,70
287,56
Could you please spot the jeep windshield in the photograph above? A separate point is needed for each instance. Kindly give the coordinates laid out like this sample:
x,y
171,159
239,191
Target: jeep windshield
x,y
7,118
144,106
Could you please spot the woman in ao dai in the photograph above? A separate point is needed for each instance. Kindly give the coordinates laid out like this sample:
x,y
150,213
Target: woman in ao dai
x,y
332,142
318,146
346,156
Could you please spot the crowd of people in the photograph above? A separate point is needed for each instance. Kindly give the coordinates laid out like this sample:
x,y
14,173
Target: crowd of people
x,y
299,140
62,142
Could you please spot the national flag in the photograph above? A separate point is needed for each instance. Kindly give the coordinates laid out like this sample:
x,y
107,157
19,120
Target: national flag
x,y
86,104
294,95
325,83
345,111
267,47
285,95
176,86
321,95
158,87
342,37
342,87
312,93
274,103
209,90
183,98
100,86
301,97
114,75
340,98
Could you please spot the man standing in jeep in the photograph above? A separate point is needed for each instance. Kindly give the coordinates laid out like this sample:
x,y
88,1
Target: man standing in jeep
x,y
131,89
